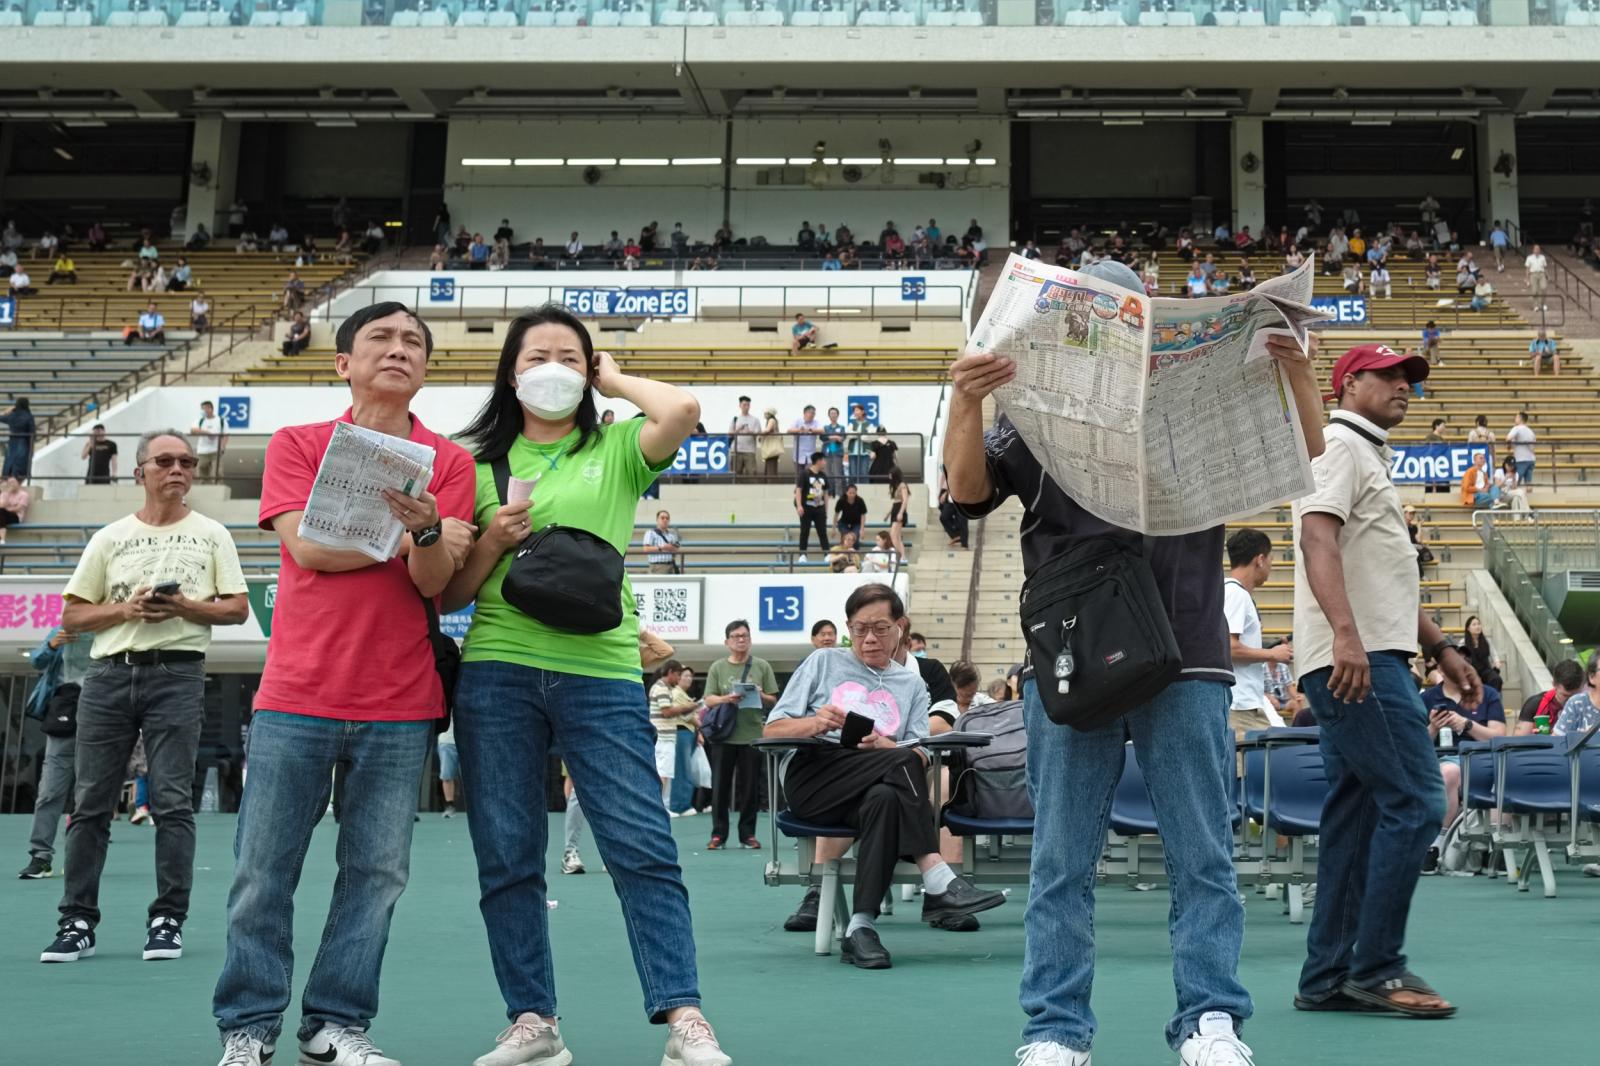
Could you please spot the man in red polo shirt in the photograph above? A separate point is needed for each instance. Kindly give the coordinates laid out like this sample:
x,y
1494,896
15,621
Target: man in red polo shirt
x,y
349,682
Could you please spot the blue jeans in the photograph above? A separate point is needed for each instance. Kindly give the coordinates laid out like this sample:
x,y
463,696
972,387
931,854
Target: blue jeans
x,y
508,720
682,797
858,466
1385,803
290,772
1185,749
1525,472
1486,499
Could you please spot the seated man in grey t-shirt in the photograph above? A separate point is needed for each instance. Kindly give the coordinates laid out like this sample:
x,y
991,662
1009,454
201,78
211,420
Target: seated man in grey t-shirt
x,y
878,788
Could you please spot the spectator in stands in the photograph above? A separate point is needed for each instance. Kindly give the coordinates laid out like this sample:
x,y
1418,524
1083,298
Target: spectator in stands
x,y
1567,681
848,260
1378,281
21,283
1181,734
769,446
463,241
899,510
478,253
182,275
1522,438
843,239
8,261
1480,654
881,557
1293,260
1581,712
884,234
830,261
679,241
503,232
1220,284
294,292
298,337
649,236
1247,274
439,259
1499,242
1358,619
631,253
894,252
366,703
747,681
1197,284
11,237
1243,241
199,240
100,452
278,237
500,256
96,237
811,503
538,255
864,787
200,312
884,456
1480,432
724,236
856,451
613,248
833,438
238,212
14,501
1482,722
372,239
1482,294
1477,486
1542,350
1512,494
662,544
248,242
344,248
850,512
46,246
1430,272
1250,566
18,419
574,248
846,558
806,239
152,327
744,430
209,440
1353,281
1535,264
148,678
1430,343
63,661
63,270
824,634
804,438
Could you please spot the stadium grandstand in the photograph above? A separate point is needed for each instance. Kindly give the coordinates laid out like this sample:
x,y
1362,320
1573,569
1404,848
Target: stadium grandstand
x,y
793,208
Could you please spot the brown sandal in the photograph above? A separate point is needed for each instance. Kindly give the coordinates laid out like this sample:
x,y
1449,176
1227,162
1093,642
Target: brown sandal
x,y
1382,996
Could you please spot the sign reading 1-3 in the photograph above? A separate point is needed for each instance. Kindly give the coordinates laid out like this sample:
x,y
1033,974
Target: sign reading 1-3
x,y
869,404
8,311
441,290
234,411
783,608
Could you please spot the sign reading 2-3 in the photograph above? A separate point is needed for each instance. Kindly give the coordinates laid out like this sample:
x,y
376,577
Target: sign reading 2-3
x,y
783,608
234,411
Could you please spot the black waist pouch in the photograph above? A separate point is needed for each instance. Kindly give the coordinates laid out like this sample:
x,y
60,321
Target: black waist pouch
x,y
1097,633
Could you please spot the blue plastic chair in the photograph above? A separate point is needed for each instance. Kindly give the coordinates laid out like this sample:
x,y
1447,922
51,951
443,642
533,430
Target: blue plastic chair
x,y
1533,783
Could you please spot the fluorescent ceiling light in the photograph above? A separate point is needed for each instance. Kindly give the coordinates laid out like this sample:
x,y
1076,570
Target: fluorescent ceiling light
x,y
330,123
1038,114
830,160
641,162
762,161
63,153
474,161
596,162
861,161
957,162
984,162
919,161
802,160
526,162
697,161
1122,122
1369,122
86,123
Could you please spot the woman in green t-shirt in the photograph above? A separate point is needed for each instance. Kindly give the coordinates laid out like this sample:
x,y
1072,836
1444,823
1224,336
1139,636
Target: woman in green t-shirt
x,y
528,689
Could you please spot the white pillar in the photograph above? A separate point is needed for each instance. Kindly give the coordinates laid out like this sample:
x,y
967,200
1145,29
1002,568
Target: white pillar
x,y
1248,166
1497,191
216,146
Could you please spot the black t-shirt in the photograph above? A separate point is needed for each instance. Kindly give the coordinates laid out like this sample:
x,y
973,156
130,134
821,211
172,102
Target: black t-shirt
x,y
1531,705
852,514
882,455
813,488
937,678
100,453
1185,567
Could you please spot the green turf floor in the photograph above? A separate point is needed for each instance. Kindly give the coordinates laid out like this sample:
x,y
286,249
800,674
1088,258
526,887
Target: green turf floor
x,y
1525,971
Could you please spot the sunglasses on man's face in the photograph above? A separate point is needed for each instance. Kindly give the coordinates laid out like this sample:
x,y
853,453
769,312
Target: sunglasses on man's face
x,y
187,462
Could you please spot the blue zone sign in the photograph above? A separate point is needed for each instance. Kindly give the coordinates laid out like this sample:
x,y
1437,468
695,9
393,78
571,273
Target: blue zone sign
x,y
1433,464
441,290
702,455
643,303
1343,310
8,311
783,608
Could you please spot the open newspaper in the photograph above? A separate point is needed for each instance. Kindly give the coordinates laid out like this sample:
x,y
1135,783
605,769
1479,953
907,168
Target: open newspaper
x,y
1160,415
346,509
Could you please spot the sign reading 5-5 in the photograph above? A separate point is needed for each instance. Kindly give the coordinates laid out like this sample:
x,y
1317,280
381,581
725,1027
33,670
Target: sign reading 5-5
x,y
783,608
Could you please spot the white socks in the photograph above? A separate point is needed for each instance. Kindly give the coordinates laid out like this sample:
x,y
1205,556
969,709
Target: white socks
x,y
861,920
936,879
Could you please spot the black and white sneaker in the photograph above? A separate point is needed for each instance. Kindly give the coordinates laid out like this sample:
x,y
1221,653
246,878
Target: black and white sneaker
x,y
37,869
74,941
239,1048
165,940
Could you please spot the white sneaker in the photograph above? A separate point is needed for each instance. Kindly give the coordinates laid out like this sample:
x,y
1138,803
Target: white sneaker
x,y
571,861
690,1042
1048,1053
801,559
1591,869
239,1048
342,1046
530,1041
1215,1044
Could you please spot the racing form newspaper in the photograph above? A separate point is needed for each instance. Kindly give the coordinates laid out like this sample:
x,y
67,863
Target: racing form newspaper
x,y
1160,415
347,509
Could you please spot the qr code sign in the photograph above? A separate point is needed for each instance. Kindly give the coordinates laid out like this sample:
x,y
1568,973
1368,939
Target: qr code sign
x,y
669,605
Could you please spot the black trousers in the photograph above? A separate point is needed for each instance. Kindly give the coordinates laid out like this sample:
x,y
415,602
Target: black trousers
x,y
818,517
881,794
735,767
954,522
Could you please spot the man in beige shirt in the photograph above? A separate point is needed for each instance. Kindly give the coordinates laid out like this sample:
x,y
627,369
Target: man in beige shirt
x,y
1356,629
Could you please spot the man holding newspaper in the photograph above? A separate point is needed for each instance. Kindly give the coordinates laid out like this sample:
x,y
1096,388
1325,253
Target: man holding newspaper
x,y
1132,429
373,510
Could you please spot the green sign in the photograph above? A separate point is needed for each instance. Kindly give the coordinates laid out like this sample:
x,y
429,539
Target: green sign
x,y
263,597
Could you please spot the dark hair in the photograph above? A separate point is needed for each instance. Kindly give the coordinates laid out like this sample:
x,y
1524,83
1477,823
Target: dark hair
x,y
1437,422
499,422
852,485
1568,674
345,339
876,592
671,666
896,479
98,425
1430,323
733,626
1522,415
1482,420
963,673
744,399
1246,545
817,628
20,403
916,636
816,457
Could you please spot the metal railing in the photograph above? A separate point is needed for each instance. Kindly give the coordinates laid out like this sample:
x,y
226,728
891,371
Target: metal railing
x,y
1573,286
1520,548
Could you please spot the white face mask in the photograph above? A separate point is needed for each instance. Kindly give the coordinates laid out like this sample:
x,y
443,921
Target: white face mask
x,y
550,390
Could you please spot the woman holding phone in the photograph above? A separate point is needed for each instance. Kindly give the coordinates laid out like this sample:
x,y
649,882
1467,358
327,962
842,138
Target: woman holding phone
x,y
528,688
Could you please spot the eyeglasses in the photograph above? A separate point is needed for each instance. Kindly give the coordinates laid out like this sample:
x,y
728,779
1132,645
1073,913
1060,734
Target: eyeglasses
x,y
739,636
881,630
187,462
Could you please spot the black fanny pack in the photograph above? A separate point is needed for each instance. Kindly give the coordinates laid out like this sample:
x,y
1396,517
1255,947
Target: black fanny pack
x,y
61,712
1097,633
564,577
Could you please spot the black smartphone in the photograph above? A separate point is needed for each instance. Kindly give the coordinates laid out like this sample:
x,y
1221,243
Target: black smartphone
x,y
855,729
165,590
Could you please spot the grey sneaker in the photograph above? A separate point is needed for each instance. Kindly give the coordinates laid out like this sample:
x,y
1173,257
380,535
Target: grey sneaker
x,y
571,862
239,1048
530,1041
690,1042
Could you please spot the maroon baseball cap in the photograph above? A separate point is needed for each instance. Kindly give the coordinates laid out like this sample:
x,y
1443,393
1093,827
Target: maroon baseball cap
x,y
1376,357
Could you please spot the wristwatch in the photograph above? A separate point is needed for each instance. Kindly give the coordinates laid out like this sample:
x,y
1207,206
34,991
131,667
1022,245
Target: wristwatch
x,y
430,536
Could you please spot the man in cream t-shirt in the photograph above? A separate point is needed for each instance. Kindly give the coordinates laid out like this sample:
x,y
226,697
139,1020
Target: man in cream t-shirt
x,y
149,587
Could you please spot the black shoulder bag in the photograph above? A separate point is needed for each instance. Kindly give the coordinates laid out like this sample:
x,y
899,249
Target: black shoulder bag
x,y
565,577
1097,633
446,660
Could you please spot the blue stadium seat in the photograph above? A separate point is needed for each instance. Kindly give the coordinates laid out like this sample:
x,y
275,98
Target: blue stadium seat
x,y
1477,774
1132,813
1533,786
963,825
791,826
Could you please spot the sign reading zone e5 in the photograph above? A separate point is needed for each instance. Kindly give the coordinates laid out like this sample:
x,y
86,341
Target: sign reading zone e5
x,y
1344,310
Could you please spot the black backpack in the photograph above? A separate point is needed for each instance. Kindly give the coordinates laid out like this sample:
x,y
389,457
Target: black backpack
x,y
565,577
